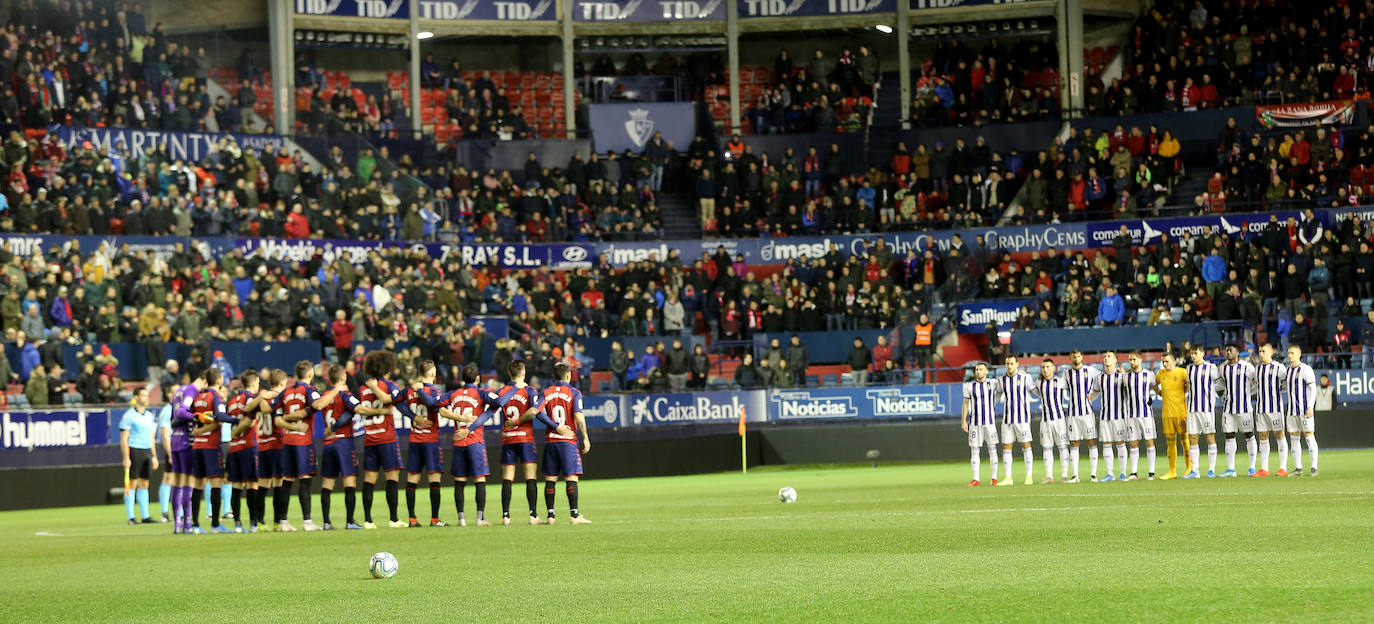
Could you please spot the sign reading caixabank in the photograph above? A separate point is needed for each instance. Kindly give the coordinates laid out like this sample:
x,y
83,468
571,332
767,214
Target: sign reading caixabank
x,y
696,407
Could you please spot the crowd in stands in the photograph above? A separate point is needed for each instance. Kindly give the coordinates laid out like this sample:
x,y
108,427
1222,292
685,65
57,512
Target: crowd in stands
x,y
1292,169
821,92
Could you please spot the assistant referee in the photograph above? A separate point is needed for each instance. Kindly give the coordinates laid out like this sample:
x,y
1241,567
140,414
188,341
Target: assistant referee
x,y
137,429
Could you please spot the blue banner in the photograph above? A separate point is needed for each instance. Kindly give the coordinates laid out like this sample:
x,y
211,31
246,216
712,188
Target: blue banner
x,y
620,127
649,11
187,146
27,431
28,244
1352,385
602,410
974,317
1147,231
696,407
800,8
886,402
508,255
519,11
399,9
921,5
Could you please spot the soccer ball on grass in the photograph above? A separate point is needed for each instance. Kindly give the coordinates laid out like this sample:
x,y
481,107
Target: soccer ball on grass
x,y
787,495
383,565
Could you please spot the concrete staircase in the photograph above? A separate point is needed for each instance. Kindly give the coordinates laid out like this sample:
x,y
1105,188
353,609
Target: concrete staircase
x,y
680,218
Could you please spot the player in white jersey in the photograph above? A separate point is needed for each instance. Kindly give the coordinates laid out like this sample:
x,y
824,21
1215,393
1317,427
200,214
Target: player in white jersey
x,y
979,418
1237,413
1302,398
1204,381
1112,426
1081,425
1051,391
1015,388
1140,383
1270,379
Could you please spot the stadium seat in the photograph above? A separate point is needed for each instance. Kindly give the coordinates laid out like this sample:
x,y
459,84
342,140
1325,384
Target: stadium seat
x,y
603,386
829,380
813,381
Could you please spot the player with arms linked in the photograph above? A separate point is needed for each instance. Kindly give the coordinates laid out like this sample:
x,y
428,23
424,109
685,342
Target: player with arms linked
x,y
299,402
423,454
563,416
337,461
380,452
517,440
182,424
463,406
243,450
207,463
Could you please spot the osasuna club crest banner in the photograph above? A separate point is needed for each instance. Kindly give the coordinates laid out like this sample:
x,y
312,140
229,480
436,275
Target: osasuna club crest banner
x,y
618,127
1295,115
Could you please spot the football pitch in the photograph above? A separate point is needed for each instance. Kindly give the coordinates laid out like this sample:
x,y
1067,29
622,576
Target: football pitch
x,y
900,543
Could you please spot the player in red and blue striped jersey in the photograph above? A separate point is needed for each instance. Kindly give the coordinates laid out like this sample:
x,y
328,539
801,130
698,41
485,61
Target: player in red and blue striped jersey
x,y
1015,388
380,453
1111,386
470,407
299,402
517,441
423,455
1270,378
563,416
1052,392
337,460
242,465
978,416
207,461
1302,399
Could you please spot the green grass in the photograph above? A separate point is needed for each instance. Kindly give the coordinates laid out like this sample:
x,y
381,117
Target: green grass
x,y
899,543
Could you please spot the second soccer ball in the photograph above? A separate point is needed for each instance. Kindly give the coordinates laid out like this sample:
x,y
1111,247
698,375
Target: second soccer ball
x,y
787,495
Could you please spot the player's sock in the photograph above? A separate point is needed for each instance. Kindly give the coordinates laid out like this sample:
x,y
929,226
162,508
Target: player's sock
x,y
1264,454
410,499
164,492
1064,462
1173,455
392,496
1109,459
1312,450
1282,441
992,459
434,500
1135,459
505,498
128,505
325,495
1092,461
350,500
1121,455
571,488
303,495
1295,447
532,496
216,507
278,505
367,501
197,495
459,488
259,504
1048,453
225,492
549,496
1230,453
480,498
178,510
1073,459
1150,458
236,504
1251,449
1028,457
1193,452
1006,463
142,497
976,463
1211,457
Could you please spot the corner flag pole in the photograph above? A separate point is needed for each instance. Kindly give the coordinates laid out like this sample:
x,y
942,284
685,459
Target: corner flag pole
x,y
743,449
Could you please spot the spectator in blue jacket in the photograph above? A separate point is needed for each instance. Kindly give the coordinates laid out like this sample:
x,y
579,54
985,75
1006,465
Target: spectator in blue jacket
x,y
867,195
1319,282
61,309
1214,273
28,357
648,362
1111,310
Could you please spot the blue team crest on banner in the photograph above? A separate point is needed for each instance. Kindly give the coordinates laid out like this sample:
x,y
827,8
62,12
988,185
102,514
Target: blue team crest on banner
x,y
639,127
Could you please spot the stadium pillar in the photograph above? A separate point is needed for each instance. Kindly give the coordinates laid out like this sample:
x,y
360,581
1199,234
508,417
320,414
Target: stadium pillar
x,y
569,104
904,61
280,35
1068,17
417,132
732,45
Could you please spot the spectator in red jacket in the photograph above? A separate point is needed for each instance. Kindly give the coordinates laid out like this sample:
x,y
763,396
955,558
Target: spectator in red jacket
x,y
297,226
342,331
882,352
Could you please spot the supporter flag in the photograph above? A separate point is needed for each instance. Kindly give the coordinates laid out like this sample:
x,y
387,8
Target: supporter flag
x,y
1295,115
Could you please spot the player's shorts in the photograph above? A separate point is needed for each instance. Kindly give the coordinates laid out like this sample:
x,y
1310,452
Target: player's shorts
x,y
269,464
1202,423
1269,422
518,453
181,462
298,462
470,461
1081,427
980,434
1175,426
1054,432
1021,431
1233,423
243,465
561,459
337,460
140,463
1142,428
1300,424
424,457
1112,431
207,463
381,457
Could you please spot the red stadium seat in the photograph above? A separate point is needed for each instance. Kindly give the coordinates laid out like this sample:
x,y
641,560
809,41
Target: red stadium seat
x,y
526,80
511,79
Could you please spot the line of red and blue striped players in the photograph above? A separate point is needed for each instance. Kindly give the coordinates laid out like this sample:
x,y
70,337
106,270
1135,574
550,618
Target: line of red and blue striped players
x,y
272,445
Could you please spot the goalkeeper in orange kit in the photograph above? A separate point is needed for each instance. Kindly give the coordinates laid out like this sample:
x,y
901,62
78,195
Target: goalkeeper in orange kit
x,y
1170,384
